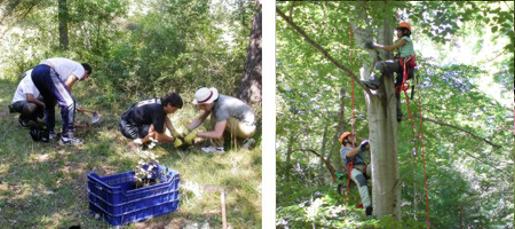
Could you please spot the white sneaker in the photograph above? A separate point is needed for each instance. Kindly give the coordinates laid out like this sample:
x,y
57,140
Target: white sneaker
x,y
70,140
213,149
52,136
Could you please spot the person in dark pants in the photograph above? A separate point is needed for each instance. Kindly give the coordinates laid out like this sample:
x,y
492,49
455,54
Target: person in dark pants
x,y
26,102
404,59
146,120
54,78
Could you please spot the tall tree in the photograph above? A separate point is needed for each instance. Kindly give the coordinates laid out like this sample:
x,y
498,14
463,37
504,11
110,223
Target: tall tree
x,y
382,128
63,24
250,86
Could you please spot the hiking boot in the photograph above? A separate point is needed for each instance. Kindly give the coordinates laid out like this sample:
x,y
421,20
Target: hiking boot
x,y
368,211
373,83
248,143
69,139
213,149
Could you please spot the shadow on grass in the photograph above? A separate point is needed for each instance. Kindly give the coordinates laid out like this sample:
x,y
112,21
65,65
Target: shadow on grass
x,y
45,185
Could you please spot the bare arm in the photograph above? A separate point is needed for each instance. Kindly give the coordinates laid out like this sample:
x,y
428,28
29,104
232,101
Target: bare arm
x,y
71,81
32,99
216,133
170,127
399,43
353,152
199,120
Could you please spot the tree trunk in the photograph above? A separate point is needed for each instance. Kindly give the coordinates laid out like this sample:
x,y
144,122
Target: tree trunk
x,y
63,24
382,125
250,86
383,136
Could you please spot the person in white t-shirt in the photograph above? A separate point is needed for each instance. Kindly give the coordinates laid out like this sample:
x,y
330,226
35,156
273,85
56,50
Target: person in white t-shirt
x,y
26,102
54,78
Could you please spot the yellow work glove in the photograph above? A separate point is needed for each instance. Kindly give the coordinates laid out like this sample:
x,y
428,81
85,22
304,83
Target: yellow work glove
x,y
179,134
190,137
178,143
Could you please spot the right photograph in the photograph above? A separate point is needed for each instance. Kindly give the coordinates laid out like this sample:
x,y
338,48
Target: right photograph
x,y
395,114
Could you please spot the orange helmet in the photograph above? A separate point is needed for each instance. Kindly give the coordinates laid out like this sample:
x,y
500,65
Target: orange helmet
x,y
344,136
405,25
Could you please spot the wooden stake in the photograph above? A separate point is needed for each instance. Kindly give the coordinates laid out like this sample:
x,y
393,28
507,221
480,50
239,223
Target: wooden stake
x,y
224,216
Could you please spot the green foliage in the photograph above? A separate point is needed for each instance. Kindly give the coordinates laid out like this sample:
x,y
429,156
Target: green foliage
x,y
328,212
138,49
468,159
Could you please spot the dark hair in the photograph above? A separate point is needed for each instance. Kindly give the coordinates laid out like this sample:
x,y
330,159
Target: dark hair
x,y
87,67
405,32
173,99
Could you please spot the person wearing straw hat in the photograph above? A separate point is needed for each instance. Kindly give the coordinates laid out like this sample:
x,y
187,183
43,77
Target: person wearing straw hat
x,y
229,113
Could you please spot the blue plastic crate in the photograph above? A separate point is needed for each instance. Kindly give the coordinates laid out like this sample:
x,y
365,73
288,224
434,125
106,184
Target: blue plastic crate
x,y
118,202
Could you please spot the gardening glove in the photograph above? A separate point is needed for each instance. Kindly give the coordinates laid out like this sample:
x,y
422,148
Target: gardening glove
x,y
178,143
370,45
190,137
363,145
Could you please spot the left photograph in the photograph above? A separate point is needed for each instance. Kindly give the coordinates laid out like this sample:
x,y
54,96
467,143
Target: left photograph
x,y
140,114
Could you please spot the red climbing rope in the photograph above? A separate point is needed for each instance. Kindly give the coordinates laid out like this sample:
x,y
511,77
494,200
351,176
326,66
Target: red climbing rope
x,y
353,118
421,139
404,87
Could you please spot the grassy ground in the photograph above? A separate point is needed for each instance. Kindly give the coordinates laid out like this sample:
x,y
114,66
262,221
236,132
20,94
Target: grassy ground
x,y
43,185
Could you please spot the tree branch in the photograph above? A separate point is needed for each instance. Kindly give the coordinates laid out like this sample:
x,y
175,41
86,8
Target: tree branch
x,y
482,160
463,130
324,52
327,163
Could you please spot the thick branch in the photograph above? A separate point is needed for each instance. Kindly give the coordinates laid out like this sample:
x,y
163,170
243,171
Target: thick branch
x,y
324,52
462,130
327,163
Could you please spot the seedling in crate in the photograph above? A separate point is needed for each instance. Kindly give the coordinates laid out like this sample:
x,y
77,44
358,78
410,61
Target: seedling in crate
x,y
148,170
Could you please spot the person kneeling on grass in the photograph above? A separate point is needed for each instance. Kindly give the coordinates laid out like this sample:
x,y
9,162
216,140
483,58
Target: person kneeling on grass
x,y
356,166
146,121
27,102
229,113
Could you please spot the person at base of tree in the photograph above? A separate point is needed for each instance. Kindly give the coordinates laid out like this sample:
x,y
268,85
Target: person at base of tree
x,y
356,166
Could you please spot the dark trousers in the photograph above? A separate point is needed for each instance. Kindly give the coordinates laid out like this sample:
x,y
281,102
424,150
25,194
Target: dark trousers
x,y
53,90
133,131
388,68
28,111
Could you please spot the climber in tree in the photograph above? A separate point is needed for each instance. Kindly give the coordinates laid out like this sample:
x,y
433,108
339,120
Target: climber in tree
x,y
403,63
356,166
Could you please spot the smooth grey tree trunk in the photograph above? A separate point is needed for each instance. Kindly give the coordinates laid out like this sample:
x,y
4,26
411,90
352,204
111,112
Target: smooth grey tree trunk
x,y
382,124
